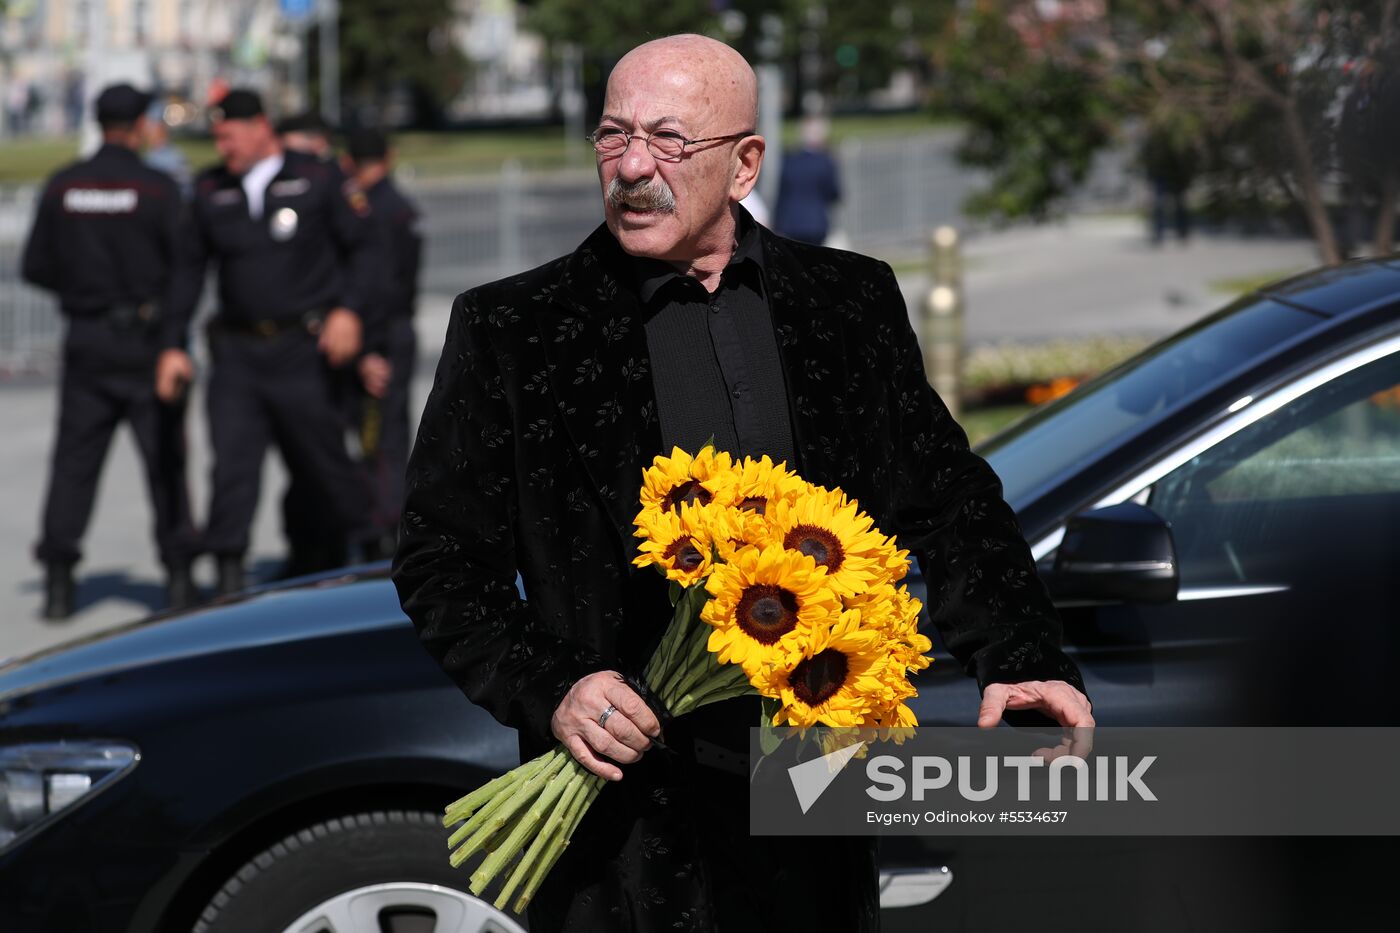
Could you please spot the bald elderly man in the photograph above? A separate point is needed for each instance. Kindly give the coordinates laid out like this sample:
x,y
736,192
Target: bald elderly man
x,y
677,320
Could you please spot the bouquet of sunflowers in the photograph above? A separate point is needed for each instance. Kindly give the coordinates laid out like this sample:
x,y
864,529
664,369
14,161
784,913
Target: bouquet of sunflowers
x,y
780,588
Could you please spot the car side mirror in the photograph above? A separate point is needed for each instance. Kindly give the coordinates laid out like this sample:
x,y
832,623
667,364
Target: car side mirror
x,y
1122,552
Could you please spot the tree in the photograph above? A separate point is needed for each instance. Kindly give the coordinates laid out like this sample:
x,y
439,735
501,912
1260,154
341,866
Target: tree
x,y
1275,98
838,49
388,47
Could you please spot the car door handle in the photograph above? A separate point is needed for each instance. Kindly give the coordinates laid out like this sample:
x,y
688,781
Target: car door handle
x,y
910,887
1229,592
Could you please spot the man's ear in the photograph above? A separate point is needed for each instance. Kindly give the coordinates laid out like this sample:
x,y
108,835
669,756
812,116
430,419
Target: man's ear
x,y
748,159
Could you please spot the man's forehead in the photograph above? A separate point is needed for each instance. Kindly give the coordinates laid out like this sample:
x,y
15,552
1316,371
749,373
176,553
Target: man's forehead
x,y
654,98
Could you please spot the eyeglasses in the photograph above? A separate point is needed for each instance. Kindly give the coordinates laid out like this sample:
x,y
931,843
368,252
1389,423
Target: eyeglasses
x,y
664,145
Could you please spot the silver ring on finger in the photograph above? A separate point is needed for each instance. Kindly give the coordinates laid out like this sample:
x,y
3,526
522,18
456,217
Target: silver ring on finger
x,y
603,719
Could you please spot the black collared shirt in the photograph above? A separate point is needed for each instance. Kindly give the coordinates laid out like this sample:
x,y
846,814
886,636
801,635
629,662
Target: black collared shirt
x,y
714,356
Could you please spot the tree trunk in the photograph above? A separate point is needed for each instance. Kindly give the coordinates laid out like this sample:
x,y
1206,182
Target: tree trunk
x,y
1385,214
1310,186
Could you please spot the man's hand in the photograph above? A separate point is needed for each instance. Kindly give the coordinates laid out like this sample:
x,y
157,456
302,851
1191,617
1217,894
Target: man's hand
x,y
341,336
375,372
1062,702
174,372
622,738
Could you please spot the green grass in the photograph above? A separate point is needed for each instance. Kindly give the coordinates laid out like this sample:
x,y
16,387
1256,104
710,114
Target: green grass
x,y
29,160
451,153
982,423
1244,284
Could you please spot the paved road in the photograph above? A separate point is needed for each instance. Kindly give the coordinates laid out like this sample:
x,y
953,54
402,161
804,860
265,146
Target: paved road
x,y
1090,276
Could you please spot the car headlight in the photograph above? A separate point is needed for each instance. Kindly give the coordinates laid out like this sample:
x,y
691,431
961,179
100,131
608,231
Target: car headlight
x,y
42,779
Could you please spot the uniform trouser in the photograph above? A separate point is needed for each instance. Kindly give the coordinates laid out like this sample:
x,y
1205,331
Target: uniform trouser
x,y
109,377
382,425
266,390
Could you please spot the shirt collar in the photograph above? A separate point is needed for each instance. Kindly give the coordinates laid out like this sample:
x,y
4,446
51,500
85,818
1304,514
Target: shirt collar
x,y
654,274
256,180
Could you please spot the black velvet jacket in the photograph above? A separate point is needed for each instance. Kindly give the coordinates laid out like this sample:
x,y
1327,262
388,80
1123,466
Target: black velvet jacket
x,y
542,417
529,458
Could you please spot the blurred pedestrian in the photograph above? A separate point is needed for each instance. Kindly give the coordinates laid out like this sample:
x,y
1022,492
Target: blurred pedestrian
x,y
808,185
386,371
1169,159
294,249
104,240
17,106
163,156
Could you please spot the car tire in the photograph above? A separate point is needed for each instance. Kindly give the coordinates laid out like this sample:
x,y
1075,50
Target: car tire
x,y
359,873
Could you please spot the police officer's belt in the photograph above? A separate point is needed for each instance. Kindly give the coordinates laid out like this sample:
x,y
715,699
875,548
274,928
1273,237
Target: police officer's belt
x,y
309,323
132,315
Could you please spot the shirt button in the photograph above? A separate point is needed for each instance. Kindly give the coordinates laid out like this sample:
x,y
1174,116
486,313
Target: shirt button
x,y
738,391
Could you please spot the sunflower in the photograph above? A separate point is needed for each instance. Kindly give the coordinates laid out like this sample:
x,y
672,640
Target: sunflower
x,y
830,528
895,722
840,679
895,613
682,543
765,603
680,478
761,483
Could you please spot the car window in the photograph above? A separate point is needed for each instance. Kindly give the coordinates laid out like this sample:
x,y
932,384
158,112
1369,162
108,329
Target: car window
x,y
1253,508
1033,455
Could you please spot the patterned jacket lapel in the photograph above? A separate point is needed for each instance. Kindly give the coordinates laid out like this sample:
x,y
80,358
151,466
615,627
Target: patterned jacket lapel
x,y
600,373
810,342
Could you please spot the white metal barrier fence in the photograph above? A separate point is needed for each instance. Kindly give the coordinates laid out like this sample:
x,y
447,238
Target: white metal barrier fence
x,y
477,228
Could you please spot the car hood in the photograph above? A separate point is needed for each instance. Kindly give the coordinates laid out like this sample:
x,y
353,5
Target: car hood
x,y
325,606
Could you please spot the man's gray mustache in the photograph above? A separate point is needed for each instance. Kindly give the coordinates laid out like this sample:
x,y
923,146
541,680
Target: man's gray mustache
x,y
654,195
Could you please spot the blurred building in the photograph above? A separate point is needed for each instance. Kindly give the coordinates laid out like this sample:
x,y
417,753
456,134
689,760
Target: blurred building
x,y
48,47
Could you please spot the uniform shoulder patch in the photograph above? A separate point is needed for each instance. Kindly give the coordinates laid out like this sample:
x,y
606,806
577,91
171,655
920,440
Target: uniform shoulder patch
x,y
355,197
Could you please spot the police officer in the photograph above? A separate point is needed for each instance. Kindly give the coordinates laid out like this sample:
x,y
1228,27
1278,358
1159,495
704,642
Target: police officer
x,y
386,371
104,240
296,265
308,133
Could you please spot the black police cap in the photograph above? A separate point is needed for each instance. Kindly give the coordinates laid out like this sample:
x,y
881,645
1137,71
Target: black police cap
x,y
366,144
304,123
238,104
121,103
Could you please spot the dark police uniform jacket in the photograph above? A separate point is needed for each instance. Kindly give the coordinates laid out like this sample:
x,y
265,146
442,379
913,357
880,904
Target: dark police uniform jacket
x,y
401,243
104,233
529,458
312,250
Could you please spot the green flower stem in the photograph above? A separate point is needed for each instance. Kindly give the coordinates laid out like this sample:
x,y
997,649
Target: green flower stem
x,y
558,816
697,657
460,809
701,671
675,644
662,657
510,804
731,682
592,784
540,809
519,777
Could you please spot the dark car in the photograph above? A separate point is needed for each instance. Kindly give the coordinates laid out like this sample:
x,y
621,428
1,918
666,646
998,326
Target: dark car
x,y
1215,517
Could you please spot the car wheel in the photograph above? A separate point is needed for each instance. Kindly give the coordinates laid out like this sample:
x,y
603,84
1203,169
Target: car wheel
x,y
384,872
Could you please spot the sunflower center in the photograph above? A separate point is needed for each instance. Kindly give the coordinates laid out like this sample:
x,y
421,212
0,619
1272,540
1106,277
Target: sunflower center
x,y
817,543
755,504
766,612
684,555
689,491
816,679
